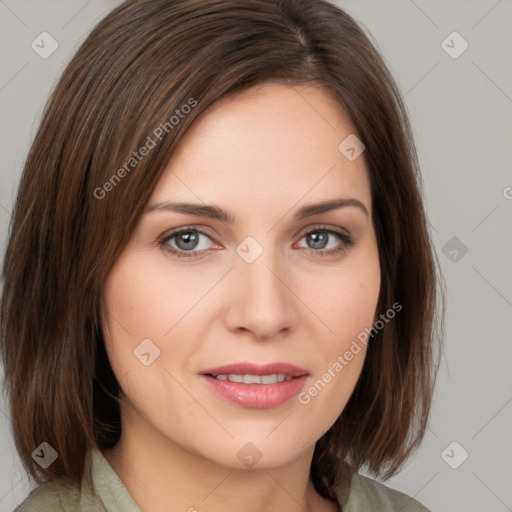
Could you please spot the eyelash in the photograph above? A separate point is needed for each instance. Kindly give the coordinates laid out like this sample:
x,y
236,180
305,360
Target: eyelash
x,y
346,240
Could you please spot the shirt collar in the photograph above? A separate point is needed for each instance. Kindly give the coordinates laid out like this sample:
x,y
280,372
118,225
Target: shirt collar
x,y
106,486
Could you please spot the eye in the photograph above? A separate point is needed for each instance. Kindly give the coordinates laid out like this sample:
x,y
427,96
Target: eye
x,y
190,242
324,241
185,242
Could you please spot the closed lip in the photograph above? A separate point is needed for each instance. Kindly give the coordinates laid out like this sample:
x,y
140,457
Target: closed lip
x,y
256,369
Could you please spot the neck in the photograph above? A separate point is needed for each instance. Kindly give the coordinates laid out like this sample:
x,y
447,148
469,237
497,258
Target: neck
x,y
161,475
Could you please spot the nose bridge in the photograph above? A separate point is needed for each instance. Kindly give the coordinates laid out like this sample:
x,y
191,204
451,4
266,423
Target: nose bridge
x,y
262,301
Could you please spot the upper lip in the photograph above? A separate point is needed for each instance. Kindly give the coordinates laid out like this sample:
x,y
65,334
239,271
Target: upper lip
x,y
257,369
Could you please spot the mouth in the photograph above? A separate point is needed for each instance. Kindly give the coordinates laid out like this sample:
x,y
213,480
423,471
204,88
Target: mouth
x,y
274,378
256,386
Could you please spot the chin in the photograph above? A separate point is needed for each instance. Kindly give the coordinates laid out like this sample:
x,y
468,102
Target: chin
x,y
258,451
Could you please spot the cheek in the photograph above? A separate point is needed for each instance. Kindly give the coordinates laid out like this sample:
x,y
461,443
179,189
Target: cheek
x,y
347,306
133,317
142,316
347,299
133,299
138,322
143,298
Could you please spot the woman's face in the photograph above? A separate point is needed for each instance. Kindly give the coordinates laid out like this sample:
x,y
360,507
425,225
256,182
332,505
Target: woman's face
x,y
258,288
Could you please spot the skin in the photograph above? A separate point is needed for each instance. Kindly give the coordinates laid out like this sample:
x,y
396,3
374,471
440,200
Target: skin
x,y
261,155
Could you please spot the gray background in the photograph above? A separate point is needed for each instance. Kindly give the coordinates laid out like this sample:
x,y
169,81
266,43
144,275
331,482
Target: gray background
x,y
460,109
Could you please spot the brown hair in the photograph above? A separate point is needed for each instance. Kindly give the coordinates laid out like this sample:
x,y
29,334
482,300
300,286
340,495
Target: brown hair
x,y
137,68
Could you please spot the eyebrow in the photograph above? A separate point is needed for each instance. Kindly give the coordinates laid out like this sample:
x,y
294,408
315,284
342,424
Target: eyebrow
x,y
217,213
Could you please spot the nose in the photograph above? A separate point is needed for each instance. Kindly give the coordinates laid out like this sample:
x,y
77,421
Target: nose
x,y
260,300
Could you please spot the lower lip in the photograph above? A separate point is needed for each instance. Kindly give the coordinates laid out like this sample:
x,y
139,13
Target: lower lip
x,y
257,396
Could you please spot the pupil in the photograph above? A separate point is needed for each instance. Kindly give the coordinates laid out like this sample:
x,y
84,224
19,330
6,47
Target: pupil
x,y
318,240
189,238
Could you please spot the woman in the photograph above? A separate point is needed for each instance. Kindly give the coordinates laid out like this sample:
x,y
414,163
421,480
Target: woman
x,y
219,286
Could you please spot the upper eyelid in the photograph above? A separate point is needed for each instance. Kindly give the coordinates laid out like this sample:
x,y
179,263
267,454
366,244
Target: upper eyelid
x,y
184,229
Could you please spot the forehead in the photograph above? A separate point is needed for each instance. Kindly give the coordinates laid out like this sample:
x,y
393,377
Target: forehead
x,y
272,143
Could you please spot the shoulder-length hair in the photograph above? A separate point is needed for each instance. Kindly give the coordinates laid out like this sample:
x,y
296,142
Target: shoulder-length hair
x,y
83,190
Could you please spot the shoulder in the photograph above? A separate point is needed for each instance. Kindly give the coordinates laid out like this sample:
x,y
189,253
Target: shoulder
x,y
57,497
368,494
50,497
100,490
